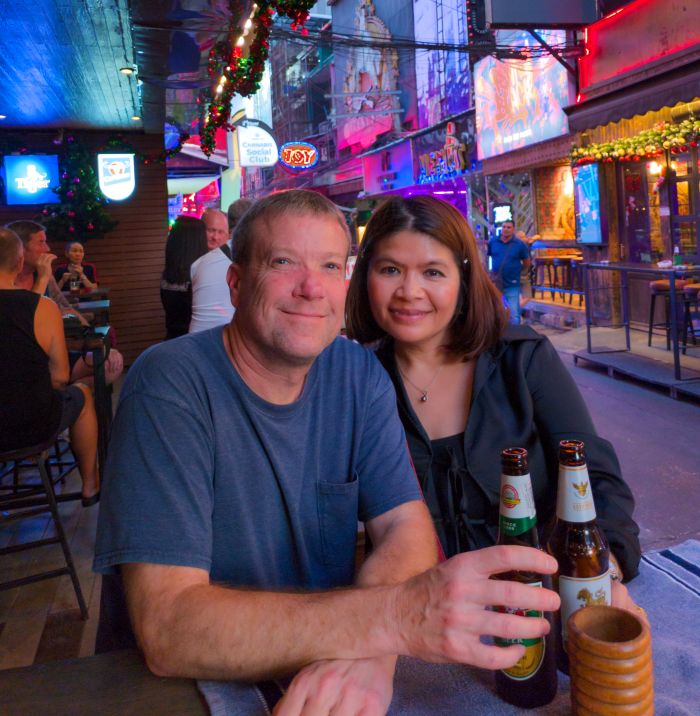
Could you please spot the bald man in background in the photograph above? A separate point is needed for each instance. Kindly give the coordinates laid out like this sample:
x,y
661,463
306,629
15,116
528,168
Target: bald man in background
x,y
211,300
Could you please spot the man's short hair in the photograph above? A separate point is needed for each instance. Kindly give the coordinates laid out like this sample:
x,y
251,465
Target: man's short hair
x,y
213,212
25,229
300,202
236,209
10,250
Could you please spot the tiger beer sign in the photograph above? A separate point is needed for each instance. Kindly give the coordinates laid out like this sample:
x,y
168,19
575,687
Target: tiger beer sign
x,y
298,156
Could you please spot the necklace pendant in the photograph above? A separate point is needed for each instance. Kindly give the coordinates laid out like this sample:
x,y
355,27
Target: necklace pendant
x,y
424,398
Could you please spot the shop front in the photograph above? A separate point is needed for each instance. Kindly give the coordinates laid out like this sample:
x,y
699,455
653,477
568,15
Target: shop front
x,y
638,116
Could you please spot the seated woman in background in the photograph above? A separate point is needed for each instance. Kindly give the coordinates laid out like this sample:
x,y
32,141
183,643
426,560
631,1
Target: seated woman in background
x,y
468,385
186,242
76,275
37,404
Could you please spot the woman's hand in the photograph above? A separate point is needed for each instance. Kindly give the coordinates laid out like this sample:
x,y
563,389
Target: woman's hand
x,y
621,598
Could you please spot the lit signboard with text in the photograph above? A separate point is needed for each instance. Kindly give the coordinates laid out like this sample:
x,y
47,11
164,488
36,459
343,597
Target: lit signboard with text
x,y
256,145
298,156
520,102
31,179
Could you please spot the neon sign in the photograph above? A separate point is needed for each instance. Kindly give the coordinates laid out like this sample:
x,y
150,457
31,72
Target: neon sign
x,y
298,156
116,175
444,163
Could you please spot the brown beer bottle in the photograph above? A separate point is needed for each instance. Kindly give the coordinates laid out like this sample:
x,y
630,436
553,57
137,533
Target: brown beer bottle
x,y
532,681
577,543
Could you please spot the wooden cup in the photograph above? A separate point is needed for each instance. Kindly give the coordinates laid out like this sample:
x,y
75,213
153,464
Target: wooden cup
x,y
610,662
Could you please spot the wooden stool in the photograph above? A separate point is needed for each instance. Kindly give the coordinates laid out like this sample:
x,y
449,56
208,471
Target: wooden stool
x,y
562,276
691,299
576,281
662,288
542,269
18,506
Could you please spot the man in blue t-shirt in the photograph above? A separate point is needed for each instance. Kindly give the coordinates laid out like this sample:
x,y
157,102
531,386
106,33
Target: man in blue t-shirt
x,y
509,256
242,459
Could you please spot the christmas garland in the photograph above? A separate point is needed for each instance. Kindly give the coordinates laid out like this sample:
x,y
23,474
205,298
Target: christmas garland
x,y
235,71
118,143
664,136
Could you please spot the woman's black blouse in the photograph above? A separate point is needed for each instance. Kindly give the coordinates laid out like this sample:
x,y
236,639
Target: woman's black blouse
x,y
524,396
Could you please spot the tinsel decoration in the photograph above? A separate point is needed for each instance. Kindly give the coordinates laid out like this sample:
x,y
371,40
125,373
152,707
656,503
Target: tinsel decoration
x,y
81,213
119,144
236,66
664,136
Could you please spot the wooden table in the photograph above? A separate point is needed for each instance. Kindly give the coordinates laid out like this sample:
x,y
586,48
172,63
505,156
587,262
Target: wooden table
x,y
114,684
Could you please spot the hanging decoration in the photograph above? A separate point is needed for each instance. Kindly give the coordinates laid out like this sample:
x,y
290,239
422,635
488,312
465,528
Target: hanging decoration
x,y
664,136
81,212
236,64
117,143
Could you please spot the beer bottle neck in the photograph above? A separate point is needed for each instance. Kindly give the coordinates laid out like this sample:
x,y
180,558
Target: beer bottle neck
x,y
517,514
574,495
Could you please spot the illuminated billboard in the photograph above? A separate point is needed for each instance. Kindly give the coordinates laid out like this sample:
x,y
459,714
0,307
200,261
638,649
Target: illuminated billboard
x,y
591,227
443,79
520,102
30,179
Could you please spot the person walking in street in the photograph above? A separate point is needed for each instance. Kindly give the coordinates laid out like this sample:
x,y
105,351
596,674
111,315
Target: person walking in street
x,y
240,462
509,255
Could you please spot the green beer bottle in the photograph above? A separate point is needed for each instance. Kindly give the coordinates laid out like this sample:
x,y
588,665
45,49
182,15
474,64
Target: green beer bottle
x,y
532,681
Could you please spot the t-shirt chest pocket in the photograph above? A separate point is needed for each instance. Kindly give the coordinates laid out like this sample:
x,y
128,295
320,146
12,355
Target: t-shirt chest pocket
x,y
337,511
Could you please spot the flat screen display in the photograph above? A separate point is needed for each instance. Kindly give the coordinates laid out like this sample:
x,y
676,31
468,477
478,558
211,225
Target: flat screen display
x,y
520,101
31,179
587,205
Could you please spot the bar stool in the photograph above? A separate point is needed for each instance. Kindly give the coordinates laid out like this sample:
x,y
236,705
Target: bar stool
x,y
691,299
32,503
562,276
576,281
542,266
662,288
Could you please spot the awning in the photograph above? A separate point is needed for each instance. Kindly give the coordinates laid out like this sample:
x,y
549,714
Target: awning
x,y
666,90
189,185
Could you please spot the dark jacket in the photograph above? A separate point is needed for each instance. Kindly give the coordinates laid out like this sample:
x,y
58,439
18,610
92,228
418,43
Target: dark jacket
x,y
524,396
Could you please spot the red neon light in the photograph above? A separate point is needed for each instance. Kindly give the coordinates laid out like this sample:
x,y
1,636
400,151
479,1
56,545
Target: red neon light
x,y
608,26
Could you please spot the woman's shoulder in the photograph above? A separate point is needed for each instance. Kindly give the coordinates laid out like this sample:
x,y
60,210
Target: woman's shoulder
x,y
518,334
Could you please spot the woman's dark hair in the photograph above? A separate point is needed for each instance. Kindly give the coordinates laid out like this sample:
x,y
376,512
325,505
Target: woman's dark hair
x,y
187,241
479,318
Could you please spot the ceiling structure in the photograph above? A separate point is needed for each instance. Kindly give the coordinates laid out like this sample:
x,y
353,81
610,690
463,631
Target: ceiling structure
x,y
60,62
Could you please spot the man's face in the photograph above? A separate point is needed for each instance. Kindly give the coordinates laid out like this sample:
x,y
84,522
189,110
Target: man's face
x,y
35,247
290,298
507,230
217,229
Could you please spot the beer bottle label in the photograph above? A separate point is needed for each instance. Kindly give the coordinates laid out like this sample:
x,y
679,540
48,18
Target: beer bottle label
x,y
574,495
528,665
579,592
517,512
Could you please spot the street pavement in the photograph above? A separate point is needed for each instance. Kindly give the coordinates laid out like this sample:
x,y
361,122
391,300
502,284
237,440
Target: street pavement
x,y
657,440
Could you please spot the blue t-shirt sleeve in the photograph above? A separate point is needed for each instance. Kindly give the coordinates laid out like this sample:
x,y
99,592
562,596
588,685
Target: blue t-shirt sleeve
x,y
387,477
158,487
524,251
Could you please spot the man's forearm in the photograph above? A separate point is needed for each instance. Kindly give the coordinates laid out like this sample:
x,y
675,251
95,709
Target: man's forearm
x,y
207,631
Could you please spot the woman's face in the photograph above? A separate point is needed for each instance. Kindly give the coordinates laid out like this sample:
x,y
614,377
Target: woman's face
x,y
75,253
413,283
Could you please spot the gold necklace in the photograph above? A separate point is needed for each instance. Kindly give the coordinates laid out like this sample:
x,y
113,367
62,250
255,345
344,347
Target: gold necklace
x,y
423,391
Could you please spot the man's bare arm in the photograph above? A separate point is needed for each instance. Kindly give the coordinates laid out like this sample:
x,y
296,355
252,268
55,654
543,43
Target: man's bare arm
x,y
188,627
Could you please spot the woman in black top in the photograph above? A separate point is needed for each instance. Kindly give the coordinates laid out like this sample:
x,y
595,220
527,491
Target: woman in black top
x,y
467,385
186,242
36,402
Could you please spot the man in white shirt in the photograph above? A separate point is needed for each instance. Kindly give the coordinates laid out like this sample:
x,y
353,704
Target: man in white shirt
x,y
211,300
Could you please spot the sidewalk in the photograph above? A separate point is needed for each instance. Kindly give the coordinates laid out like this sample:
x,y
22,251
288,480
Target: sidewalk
x,y
652,366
